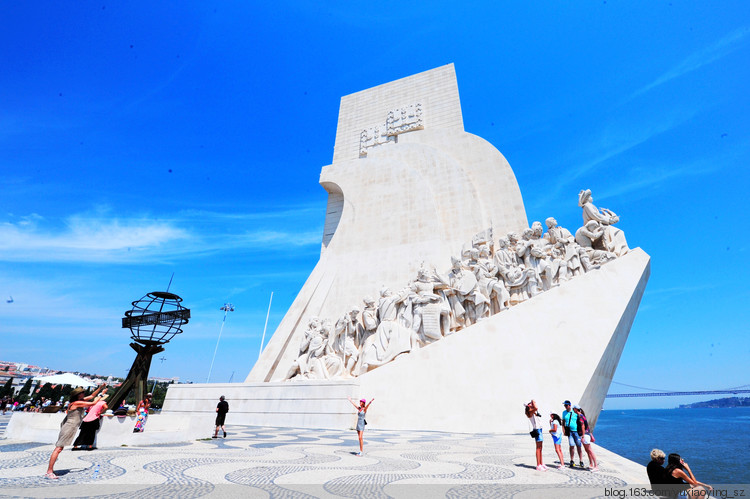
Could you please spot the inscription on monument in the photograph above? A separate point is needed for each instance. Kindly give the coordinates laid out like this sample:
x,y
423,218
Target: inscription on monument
x,y
404,119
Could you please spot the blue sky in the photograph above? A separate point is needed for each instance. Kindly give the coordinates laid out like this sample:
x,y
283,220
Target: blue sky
x,y
188,137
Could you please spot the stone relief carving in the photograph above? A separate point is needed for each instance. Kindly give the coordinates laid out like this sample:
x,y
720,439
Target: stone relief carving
x,y
490,276
404,119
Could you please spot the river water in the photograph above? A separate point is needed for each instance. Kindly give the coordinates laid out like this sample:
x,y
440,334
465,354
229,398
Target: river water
x,y
714,442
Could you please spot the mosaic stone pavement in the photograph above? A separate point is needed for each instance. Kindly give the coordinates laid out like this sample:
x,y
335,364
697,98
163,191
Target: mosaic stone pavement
x,y
304,463
4,419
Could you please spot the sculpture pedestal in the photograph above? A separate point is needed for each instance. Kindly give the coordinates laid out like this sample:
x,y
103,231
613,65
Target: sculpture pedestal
x,y
562,344
137,376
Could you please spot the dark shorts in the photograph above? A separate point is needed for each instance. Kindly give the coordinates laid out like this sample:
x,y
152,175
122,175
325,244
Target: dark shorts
x,y
220,419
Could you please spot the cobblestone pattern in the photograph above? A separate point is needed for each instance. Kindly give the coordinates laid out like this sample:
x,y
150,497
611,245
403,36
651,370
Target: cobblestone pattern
x,y
283,462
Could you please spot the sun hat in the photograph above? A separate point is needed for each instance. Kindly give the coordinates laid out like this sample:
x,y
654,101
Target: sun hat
x,y
363,400
76,391
576,406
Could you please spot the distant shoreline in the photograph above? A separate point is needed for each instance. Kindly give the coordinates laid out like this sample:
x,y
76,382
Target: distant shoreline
x,y
719,403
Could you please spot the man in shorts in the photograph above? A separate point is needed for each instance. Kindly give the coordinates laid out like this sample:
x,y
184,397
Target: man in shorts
x,y
570,428
222,408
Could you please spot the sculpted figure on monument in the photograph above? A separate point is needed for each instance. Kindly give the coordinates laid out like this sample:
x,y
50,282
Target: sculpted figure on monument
x,y
530,262
344,341
430,317
565,249
490,284
519,280
589,237
312,347
505,258
614,239
369,320
539,254
461,285
391,338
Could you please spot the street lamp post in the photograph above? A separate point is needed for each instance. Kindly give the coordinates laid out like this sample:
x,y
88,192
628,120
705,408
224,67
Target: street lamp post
x,y
228,307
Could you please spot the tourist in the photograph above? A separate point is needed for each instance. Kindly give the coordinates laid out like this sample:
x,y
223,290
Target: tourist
x,y
584,430
69,425
537,433
222,408
570,428
361,422
655,469
556,431
4,404
90,424
679,475
142,413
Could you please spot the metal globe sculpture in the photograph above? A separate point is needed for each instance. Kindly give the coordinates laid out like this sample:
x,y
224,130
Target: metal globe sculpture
x,y
153,321
156,318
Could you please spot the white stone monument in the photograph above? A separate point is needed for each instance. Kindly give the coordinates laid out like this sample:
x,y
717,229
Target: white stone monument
x,y
478,312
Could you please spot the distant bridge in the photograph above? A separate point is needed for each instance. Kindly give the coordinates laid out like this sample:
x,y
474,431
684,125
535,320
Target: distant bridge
x,y
675,394
664,393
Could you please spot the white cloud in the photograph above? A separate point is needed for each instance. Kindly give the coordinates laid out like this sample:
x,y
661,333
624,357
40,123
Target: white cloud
x,y
696,60
102,238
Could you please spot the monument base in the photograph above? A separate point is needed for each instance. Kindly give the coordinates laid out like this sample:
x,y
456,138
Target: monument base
x,y
476,380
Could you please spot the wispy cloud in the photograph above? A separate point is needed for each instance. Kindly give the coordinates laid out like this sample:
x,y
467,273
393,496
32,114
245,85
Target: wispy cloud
x,y
651,175
696,60
615,140
99,238
83,238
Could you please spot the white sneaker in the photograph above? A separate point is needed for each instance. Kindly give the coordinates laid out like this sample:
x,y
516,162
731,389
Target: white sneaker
x,y
541,468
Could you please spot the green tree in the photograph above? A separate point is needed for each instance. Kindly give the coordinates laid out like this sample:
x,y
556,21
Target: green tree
x,y
44,392
66,389
23,393
7,388
56,394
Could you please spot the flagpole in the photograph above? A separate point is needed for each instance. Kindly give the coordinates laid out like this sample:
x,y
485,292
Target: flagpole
x,y
265,326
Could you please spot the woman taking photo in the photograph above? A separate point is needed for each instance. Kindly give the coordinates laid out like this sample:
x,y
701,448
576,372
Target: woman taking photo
x,y
537,433
361,412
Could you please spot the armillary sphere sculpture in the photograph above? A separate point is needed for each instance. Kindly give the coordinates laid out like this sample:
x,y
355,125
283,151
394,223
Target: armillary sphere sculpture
x,y
153,321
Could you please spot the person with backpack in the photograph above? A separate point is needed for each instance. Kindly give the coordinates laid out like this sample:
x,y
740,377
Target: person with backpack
x,y
570,429
584,430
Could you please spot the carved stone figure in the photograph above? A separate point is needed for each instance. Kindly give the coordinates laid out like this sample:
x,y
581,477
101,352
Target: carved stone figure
x,y
614,239
490,284
369,320
428,312
505,258
391,338
344,339
563,242
589,237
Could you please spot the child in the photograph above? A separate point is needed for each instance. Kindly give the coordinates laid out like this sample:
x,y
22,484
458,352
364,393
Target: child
x,y
557,433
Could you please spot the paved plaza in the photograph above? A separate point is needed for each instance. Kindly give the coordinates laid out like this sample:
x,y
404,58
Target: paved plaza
x,y
302,463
